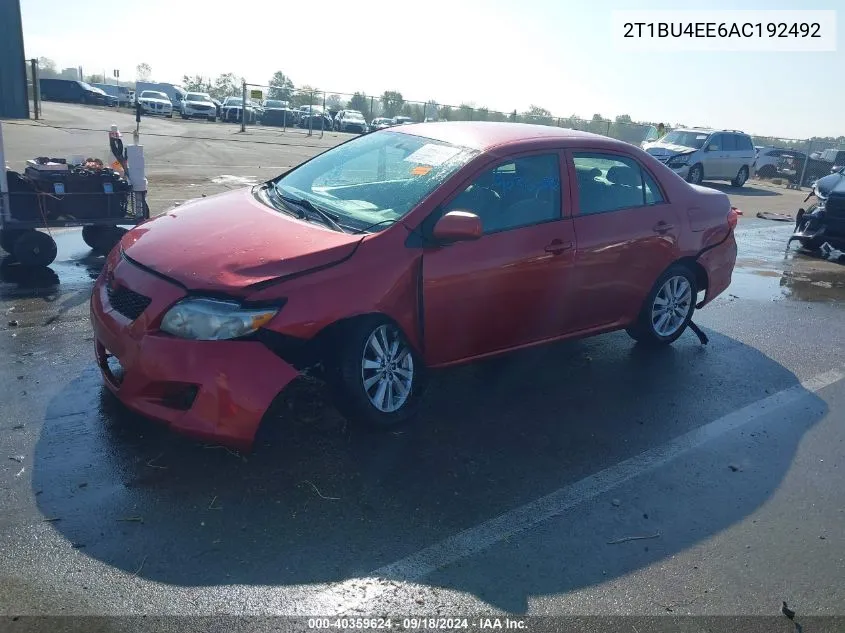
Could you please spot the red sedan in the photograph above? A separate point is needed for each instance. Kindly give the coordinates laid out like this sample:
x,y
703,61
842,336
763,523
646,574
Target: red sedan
x,y
401,251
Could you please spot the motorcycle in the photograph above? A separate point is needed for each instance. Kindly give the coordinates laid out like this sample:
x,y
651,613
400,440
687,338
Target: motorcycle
x,y
824,220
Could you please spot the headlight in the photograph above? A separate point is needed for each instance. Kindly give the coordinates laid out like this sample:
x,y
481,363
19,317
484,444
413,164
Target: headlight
x,y
679,161
214,320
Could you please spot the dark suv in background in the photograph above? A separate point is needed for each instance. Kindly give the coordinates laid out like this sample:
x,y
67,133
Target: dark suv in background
x,y
71,91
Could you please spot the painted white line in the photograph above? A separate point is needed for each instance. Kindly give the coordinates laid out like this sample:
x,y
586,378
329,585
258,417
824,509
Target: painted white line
x,y
352,596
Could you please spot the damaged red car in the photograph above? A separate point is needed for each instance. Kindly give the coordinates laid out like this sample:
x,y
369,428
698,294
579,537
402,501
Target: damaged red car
x,y
396,253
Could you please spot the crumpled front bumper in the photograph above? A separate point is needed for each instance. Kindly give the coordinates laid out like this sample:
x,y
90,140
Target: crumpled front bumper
x,y
214,390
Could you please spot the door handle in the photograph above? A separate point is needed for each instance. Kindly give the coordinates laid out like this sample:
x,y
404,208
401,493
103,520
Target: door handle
x,y
662,227
557,246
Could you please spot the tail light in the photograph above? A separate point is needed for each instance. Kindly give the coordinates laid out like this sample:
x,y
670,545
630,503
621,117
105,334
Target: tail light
x,y
733,217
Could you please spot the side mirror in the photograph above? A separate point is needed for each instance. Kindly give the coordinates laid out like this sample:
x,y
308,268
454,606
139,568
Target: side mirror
x,y
458,226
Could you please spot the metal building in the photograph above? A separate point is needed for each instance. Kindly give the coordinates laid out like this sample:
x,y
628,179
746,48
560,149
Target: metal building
x,y
14,102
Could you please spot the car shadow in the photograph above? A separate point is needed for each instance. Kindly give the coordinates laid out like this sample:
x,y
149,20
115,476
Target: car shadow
x,y
318,501
747,190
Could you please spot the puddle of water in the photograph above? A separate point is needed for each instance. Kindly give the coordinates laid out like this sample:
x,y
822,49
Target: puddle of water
x,y
767,271
75,266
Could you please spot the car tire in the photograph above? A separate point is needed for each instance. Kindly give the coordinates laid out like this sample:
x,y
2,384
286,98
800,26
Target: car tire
x,y
767,171
696,174
170,116
367,385
212,119
741,177
8,237
668,308
91,235
34,248
185,116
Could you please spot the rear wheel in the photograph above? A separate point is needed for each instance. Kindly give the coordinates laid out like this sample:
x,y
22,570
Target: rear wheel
x,y
102,239
34,248
741,177
376,377
668,308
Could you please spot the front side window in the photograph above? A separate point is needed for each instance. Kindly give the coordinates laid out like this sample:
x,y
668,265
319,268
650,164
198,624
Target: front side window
x,y
607,182
519,192
374,180
729,143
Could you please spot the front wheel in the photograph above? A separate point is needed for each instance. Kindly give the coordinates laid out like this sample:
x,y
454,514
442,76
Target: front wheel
x,y
668,308
376,377
695,175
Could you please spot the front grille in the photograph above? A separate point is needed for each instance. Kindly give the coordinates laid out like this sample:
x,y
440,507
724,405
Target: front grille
x,y
202,108
127,302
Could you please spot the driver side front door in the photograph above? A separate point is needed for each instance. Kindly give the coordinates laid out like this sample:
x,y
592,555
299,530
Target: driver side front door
x,y
510,287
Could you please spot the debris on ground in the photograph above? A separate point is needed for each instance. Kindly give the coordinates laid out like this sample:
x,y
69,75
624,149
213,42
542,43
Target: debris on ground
x,y
634,538
787,611
317,490
616,503
734,468
777,217
132,519
17,458
13,323
833,254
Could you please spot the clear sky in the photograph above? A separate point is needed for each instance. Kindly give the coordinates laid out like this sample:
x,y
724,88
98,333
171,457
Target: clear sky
x,y
503,54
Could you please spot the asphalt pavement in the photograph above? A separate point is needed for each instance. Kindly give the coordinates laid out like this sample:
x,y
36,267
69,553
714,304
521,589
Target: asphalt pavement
x,y
587,478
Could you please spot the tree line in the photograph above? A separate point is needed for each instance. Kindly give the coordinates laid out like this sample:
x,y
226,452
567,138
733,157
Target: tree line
x,y
392,103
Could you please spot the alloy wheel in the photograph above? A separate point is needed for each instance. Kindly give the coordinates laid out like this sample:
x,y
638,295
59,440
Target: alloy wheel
x,y
387,369
671,306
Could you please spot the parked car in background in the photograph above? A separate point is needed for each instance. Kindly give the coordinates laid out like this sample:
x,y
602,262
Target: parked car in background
x,y
199,105
770,159
121,93
231,110
365,261
155,102
317,119
278,113
314,115
380,123
110,100
175,93
71,91
401,120
350,121
829,161
697,154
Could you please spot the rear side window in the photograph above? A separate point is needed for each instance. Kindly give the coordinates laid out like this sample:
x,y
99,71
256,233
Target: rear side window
x,y
729,143
607,182
745,143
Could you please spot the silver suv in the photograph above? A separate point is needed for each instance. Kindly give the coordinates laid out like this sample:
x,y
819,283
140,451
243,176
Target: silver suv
x,y
698,154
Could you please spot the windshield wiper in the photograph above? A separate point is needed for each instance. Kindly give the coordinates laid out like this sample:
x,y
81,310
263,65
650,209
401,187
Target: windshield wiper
x,y
375,224
307,204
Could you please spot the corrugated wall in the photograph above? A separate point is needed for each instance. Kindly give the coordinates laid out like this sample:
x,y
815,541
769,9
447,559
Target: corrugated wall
x,y
14,103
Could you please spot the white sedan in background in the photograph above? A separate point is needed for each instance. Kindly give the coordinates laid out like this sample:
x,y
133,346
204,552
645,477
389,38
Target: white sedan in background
x,y
200,105
154,102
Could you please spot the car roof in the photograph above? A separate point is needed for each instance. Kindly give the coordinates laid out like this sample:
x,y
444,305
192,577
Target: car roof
x,y
485,135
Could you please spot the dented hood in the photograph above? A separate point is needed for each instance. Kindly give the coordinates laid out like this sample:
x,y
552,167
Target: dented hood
x,y
228,242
